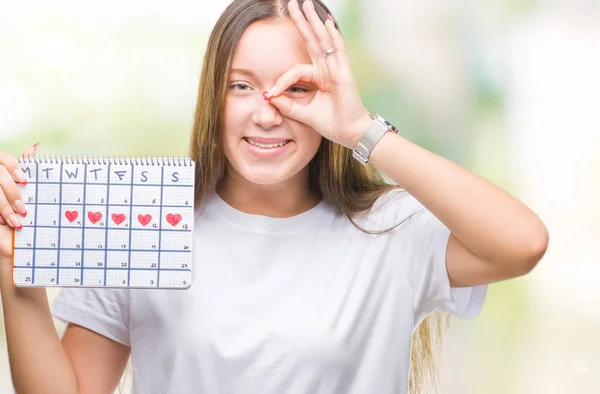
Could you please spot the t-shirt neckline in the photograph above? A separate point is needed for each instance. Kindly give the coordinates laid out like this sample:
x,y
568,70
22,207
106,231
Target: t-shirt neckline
x,y
265,224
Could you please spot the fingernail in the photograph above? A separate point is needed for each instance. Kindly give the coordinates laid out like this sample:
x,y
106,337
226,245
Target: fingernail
x,y
272,92
20,176
20,207
14,221
35,147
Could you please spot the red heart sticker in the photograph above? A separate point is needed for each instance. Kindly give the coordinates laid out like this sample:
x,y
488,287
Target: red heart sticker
x,y
144,219
118,218
173,219
94,216
71,216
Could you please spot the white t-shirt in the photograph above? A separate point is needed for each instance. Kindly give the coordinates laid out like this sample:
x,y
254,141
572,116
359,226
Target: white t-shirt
x,y
307,304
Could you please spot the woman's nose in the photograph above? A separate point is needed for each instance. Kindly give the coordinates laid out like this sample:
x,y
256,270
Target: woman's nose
x,y
266,114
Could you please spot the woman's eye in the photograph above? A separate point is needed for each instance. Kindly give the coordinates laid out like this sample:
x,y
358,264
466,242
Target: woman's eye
x,y
239,86
298,89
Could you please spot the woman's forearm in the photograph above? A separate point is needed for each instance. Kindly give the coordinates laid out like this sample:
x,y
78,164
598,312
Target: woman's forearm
x,y
487,220
38,361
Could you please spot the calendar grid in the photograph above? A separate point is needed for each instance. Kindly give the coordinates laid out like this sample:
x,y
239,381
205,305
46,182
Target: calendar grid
x,y
162,183
59,225
77,233
110,250
37,174
106,227
130,226
83,224
125,229
105,184
120,205
101,268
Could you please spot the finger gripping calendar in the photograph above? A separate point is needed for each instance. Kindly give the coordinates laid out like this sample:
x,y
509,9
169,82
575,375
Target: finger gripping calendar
x,y
106,223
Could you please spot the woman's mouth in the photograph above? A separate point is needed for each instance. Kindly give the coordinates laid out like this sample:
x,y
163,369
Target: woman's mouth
x,y
266,145
266,148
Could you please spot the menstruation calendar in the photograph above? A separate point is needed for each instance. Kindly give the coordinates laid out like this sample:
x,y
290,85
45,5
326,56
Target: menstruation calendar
x,y
106,223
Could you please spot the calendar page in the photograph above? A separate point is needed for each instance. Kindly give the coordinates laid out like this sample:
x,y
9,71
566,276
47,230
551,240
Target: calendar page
x,y
106,223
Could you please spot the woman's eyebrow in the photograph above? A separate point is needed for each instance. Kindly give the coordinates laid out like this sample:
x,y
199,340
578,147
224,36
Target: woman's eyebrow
x,y
243,71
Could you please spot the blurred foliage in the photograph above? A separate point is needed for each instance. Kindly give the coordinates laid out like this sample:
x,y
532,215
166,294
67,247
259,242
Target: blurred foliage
x,y
520,6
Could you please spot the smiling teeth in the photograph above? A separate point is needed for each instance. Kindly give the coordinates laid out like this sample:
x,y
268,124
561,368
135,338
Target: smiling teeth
x,y
267,146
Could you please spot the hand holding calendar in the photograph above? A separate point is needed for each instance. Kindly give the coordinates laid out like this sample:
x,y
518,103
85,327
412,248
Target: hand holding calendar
x,y
124,222
11,203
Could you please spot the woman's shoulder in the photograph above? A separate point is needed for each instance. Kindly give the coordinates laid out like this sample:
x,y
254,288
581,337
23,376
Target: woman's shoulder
x,y
396,198
103,310
392,207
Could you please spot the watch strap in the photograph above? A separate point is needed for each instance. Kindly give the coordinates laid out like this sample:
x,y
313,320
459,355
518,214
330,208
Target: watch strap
x,y
374,133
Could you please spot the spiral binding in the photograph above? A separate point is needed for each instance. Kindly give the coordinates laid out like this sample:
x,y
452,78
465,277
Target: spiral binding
x,y
179,161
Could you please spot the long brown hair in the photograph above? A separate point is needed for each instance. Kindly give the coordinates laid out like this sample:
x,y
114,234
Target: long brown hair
x,y
334,174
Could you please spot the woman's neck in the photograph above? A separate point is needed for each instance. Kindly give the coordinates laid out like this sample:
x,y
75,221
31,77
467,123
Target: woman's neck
x,y
280,200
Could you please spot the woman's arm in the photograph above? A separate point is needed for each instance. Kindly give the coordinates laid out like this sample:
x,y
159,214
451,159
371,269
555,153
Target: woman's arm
x,y
84,362
494,236
98,361
38,362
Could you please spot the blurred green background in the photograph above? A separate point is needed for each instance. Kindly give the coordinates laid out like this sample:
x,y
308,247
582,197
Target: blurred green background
x,y
506,88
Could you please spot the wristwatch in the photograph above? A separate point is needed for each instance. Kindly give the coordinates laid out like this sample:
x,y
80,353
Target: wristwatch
x,y
374,133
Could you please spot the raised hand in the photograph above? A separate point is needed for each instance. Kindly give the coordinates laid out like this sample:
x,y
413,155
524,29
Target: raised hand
x,y
12,206
337,111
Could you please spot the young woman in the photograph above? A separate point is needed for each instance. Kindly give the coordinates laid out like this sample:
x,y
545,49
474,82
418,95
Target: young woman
x,y
311,272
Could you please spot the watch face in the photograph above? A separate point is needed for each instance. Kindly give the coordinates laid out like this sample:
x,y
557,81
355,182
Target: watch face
x,y
388,124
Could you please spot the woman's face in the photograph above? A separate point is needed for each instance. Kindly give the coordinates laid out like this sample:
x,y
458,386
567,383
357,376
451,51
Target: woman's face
x,y
261,144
